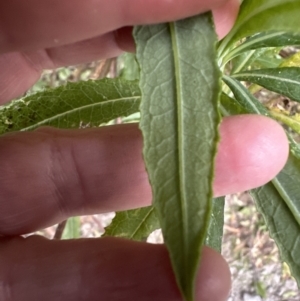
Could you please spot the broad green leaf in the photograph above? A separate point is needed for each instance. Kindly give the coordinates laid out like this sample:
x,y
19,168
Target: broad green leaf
x,y
72,229
179,121
215,230
133,224
72,106
263,16
285,81
265,40
282,224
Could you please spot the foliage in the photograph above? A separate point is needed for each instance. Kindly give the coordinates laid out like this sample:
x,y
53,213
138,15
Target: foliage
x,y
180,108
179,121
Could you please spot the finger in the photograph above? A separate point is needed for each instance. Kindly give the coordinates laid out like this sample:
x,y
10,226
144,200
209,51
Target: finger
x,y
100,269
225,16
20,70
49,175
43,24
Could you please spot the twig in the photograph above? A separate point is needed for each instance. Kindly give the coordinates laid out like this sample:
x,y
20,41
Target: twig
x,y
102,69
60,230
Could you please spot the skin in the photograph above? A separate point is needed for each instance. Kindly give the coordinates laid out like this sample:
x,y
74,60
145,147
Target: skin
x,y
49,175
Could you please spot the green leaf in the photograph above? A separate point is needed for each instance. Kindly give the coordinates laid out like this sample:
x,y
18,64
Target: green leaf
x,y
72,229
215,230
179,121
72,106
265,61
230,106
282,224
133,224
278,201
263,16
285,81
245,60
252,105
287,185
265,40
294,147
244,98
130,68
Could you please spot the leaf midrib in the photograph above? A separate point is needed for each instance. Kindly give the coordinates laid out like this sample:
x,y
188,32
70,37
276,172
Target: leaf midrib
x,y
77,109
247,45
285,196
278,78
141,223
236,85
180,130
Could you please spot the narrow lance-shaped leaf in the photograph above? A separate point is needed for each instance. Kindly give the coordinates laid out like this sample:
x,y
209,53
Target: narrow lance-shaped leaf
x,y
130,68
72,229
287,185
229,106
138,224
285,81
263,16
244,98
246,60
282,225
214,236
265,40
76,104
250,104
243,61
179,121
133,224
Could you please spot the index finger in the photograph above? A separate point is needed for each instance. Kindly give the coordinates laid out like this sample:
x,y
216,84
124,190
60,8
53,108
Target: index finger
x,y
35,24
49,175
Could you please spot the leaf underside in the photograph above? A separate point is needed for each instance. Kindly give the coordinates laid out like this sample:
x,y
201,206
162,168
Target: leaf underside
x,y
72,106
133,224
179,121
138,224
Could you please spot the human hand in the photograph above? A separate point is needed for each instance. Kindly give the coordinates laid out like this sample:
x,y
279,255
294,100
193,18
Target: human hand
x,y
49,175
37,35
